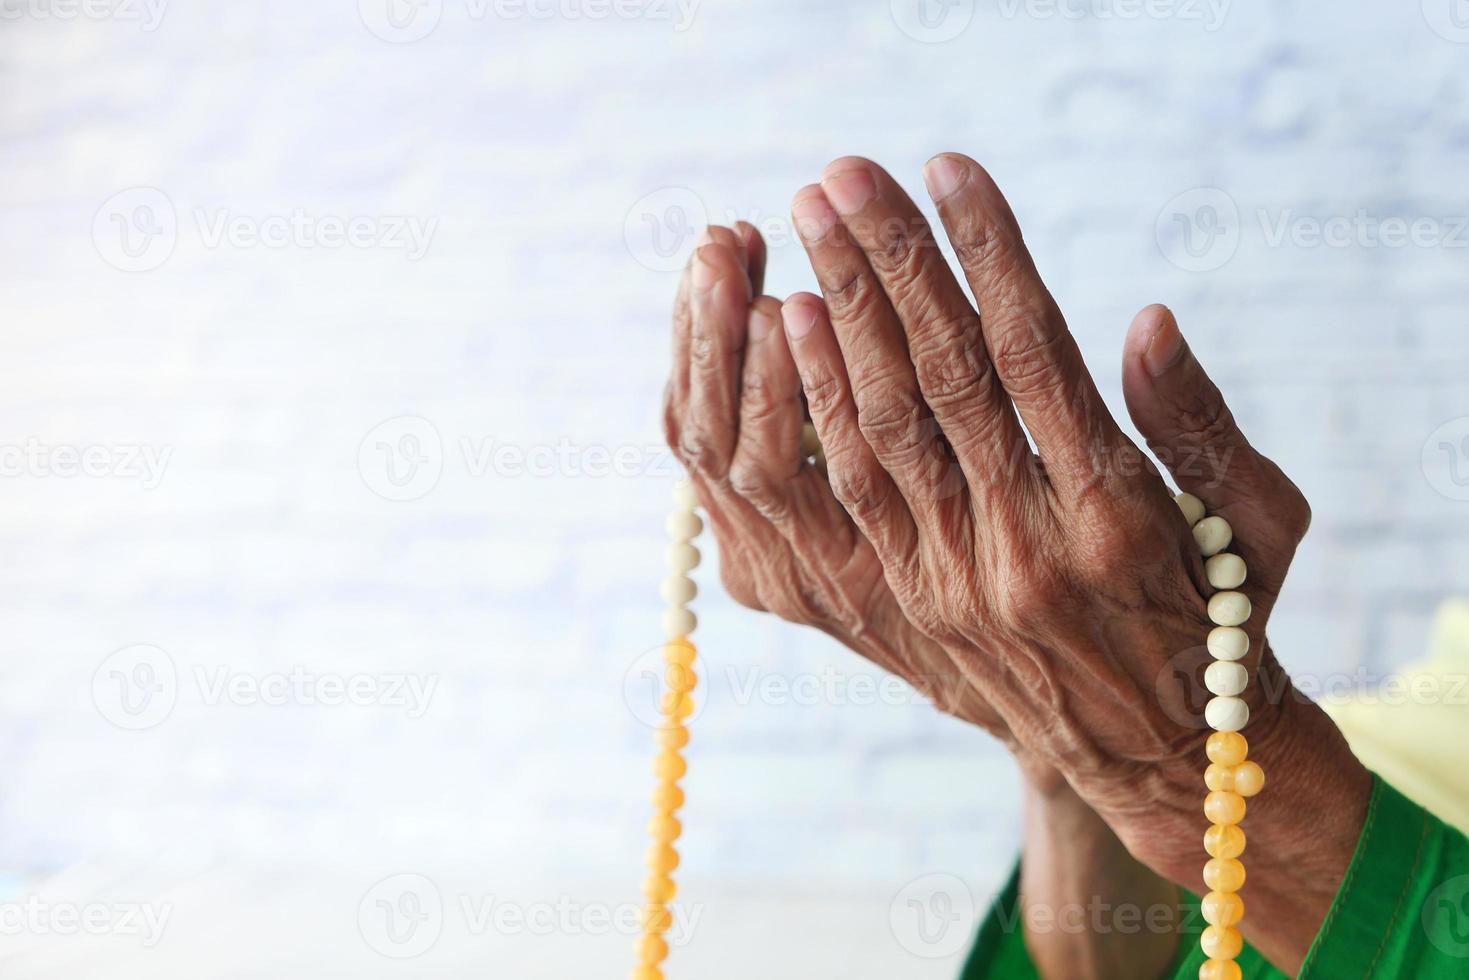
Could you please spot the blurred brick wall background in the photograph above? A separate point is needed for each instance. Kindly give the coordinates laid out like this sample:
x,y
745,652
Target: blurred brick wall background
x,y
334,335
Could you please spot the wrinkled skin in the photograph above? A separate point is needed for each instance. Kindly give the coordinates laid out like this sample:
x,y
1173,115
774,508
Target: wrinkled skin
x,y
1060,588
733,414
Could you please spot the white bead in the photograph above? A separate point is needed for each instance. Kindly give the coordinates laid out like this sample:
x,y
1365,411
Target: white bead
x,y
1226,678
1192,507
1229,608
1226,714
679,623
1228,642
684,525
679,590
1213,535
1225,571
684,496
682,557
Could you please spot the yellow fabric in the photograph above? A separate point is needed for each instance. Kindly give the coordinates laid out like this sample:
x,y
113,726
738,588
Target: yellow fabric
x,y
1413,729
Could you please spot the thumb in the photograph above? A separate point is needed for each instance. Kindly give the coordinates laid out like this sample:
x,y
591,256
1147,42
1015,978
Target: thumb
x,y
1188,426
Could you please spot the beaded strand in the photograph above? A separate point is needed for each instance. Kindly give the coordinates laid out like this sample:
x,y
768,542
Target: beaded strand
x,y
1231,776
676,706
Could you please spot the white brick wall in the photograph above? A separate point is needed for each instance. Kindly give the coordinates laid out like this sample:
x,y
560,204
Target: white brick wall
x,y
525,145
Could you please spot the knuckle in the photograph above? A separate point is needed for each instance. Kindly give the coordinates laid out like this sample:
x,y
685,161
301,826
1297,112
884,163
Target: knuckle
x,y
697,450
891,419
1034,366
754,484
859,487
1027,595
853,295
824,391
951,360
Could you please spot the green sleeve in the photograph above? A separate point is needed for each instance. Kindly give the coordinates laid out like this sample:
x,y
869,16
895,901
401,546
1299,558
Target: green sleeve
x,y
1402,910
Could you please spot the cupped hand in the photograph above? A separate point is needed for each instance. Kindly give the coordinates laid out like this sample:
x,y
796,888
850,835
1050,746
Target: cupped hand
x,y
733,414
1064,582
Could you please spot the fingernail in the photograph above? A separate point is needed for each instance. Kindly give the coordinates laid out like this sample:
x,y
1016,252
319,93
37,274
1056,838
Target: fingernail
x,y
705,275
942,176
850,190
762,322
798,318
813,214
1165,349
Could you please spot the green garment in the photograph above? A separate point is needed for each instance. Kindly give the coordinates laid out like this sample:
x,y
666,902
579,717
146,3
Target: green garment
x,y
1402,910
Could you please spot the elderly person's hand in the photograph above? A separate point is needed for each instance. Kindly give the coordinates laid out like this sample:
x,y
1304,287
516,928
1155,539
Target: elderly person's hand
x,y
734,415
1066,585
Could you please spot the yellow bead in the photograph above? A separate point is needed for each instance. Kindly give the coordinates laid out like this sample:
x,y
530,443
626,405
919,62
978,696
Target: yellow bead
x,y
1222,908
677,705
1224,875
1220,970
679,652
1224,841
680,678
1221,942
652,949
670,766
657,918
659,889
1227,748
664,828
1219,779
647,973
1249,778
1224,807
672,736
667,798
662,859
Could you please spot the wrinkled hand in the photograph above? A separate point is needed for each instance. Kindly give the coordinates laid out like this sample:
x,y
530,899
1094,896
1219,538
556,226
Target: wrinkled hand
x,y
734,416
1065,584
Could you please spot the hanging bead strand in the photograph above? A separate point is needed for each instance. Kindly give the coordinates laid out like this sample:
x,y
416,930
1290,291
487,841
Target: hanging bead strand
x,y
1231,777
676,706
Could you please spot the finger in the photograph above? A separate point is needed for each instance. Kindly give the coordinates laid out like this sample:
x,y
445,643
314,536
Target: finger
x,y
676,392
720,298
1183,416
755,252
942,330
890,412
1034,354
858,480
768,452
